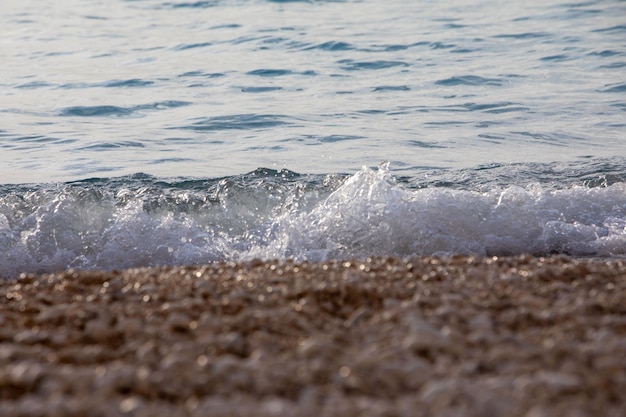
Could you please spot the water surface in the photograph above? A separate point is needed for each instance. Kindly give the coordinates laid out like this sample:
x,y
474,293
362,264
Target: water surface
x,y
153,132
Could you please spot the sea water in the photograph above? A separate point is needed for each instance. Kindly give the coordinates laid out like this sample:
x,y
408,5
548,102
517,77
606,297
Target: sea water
x,y
155,132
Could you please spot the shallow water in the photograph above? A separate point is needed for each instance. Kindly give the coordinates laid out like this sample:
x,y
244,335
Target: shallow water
x,y
164,132
215,88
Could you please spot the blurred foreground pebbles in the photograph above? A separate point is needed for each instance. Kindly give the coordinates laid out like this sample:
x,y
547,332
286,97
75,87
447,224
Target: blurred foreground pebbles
x,y
466,336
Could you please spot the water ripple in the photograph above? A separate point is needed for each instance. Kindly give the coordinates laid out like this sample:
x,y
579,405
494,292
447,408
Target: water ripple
x,y
33,85
108,110
186,46
162,105
30,142
424,144
614,88
202,74
269,72
605,53
351,65
259,89
96,111
391,88
525,35
134,82
315,140
613,65
557,58
495,108
191,5
554,139
130,83
107,146
611,29
332,46
237,122
473,80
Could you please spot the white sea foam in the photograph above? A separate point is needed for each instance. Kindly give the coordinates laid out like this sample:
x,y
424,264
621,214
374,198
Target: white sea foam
x,y
372,214
369,213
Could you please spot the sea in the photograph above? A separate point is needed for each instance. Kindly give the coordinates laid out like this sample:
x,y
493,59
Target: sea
x,y
167,132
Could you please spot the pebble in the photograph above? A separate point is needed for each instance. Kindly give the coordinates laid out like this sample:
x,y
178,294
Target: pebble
x,y
469,336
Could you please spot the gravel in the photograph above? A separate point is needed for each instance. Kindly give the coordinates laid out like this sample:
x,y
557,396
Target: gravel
x,y
455,336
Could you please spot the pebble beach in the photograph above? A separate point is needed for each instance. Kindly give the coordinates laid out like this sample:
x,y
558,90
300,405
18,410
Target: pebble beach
x,y
446,336
258,208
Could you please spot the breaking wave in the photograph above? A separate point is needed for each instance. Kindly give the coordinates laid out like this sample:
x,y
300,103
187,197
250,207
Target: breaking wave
x,y
140,220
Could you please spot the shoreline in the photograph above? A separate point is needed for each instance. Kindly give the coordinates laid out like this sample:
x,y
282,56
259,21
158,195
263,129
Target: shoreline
x,y
460,335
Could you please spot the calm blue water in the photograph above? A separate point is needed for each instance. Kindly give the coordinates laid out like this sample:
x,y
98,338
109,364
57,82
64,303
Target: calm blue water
x,y
151,132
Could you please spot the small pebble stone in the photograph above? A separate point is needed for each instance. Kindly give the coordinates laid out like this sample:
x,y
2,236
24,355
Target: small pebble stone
x,y
470,336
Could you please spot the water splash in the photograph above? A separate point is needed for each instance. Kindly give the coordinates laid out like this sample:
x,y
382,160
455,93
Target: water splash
x,y
143,221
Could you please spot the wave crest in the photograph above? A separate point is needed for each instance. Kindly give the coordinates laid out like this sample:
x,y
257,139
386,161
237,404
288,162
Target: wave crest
x,y
141,221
